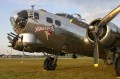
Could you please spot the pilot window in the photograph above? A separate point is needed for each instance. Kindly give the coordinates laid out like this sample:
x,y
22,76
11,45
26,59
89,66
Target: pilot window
x,y
49,20
69,16
57,22
36,15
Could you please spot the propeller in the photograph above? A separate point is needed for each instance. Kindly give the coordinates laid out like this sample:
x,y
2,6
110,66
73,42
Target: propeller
x,y
95,31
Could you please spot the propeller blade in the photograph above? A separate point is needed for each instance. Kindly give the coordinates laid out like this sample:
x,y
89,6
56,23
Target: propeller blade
x,y
96,51
109,17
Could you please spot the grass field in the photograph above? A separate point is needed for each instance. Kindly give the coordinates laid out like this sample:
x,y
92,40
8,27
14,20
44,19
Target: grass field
x,y
66,69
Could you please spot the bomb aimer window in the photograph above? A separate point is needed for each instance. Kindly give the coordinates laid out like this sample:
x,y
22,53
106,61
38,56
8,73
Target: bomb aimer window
x,y
22,18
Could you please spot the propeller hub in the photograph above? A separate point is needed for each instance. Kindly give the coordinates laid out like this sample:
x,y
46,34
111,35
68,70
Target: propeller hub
x,y
91,28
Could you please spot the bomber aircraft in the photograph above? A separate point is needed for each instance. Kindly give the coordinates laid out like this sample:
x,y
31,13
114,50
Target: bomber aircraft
x,y
62,33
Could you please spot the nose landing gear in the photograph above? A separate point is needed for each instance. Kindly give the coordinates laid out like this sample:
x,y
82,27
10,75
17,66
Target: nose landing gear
x,y
50,62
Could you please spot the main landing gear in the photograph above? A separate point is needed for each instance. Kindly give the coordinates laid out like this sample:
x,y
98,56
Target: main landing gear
x,y
114,58
117,66
117,62
110,58
50,62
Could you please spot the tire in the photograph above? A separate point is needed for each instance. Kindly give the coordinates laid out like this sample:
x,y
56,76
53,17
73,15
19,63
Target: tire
x,y
48,64
117,66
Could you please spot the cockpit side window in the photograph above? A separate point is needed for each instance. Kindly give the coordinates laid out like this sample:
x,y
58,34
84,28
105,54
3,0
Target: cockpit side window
x,y
49,20
70,17
57,22
36,15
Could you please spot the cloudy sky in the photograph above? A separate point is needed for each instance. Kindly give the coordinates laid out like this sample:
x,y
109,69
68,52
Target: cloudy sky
x,y
88,9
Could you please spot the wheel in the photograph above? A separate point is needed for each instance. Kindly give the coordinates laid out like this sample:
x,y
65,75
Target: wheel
x,y
48,64
117,66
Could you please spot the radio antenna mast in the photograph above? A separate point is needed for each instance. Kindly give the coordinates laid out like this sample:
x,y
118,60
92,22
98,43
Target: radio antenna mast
x,y
32,12
32,7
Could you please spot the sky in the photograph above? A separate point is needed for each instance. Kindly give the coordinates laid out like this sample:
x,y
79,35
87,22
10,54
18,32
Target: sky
x,y
88,9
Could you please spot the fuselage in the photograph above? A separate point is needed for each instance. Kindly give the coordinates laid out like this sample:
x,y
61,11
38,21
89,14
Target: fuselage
x,y
47,30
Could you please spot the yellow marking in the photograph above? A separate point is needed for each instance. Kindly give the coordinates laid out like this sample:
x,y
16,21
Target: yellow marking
x,y
71,20
95,65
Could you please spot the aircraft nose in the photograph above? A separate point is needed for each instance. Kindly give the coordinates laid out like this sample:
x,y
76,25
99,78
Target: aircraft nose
x,y
19,19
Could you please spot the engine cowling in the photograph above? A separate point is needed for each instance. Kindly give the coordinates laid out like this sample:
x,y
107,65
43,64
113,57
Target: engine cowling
x,y
28,41
107,33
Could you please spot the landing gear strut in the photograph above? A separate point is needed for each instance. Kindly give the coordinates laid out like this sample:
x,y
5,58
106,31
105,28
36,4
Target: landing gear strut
x,y
117,62
50,63
117,66
109,58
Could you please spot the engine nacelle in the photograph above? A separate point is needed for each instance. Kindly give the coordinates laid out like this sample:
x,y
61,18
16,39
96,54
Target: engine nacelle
x,y
29,42
107,34
28,39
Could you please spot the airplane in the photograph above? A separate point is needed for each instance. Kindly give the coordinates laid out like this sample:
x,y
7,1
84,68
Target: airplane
x,y
62,33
